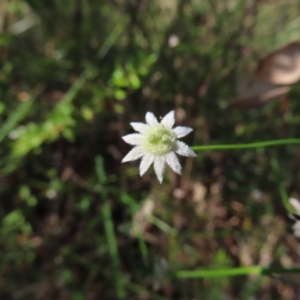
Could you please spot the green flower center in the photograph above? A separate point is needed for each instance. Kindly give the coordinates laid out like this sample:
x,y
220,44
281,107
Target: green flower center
x,y
159,140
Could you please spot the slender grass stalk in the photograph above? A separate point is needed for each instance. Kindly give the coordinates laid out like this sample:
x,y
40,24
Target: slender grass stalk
x,y
235,272
110,41
282,191
76,87
17,116
134,208
247,146
110,232
113,249
143,248
163,226
285,198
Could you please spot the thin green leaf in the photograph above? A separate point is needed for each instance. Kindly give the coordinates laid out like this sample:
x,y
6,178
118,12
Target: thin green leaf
x,y
235,272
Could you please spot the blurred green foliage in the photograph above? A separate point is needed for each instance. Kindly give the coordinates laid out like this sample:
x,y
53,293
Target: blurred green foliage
x,y
77,224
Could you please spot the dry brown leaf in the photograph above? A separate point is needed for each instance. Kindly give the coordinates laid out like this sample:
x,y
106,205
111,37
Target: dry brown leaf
x,y
281,66
252,92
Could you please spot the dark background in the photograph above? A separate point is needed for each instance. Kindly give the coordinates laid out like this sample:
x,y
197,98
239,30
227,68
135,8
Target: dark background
x,y
77,224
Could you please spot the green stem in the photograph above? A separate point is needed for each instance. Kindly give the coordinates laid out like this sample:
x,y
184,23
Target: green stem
x,y
113,250
247,146
235,272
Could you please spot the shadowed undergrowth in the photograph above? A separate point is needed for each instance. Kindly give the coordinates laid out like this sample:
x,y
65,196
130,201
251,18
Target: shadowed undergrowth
x,y
78,224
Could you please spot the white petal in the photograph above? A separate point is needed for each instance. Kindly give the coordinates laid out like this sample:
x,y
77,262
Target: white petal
x,y
147,160
159,167
139,127
133,139
184,150
134,154
182,131
173,162
169,119
151,119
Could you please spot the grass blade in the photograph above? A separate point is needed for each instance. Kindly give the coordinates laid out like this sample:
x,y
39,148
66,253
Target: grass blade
x,y
16,117
235,272
109,230
113,250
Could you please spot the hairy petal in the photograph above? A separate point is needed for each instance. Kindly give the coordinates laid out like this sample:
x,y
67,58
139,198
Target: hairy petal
x,y
133,139
184,150
159,167
146,162
139,127
134,154
182,131
150,118
173,162
169,119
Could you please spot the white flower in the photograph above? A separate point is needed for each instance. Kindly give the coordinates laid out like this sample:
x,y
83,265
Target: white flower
x,y
295,216
157,143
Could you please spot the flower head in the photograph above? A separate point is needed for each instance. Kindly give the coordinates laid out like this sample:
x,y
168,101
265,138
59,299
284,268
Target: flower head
x,y
157,143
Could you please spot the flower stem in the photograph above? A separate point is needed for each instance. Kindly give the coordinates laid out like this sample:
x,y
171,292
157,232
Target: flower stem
x,y
235,272
247,146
